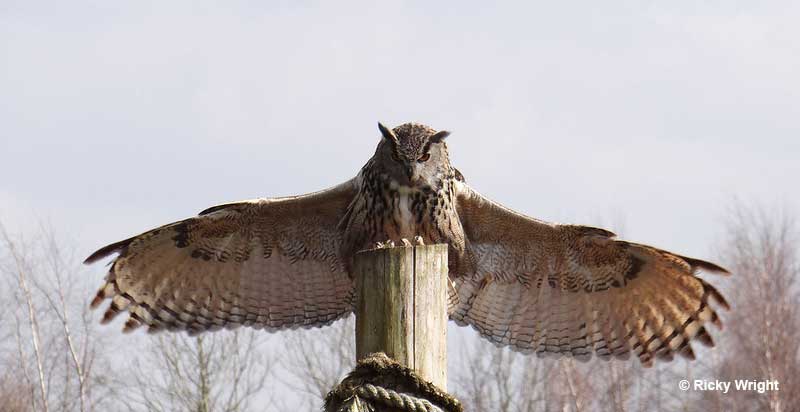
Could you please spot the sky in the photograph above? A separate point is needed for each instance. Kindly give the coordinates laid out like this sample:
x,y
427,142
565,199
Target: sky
x,y
117,118
654,117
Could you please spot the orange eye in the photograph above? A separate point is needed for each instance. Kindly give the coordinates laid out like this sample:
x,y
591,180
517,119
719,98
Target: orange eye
x,y
424,158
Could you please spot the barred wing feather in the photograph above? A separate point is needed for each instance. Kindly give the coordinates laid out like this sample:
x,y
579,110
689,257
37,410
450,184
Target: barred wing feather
x,y
576,290
266,263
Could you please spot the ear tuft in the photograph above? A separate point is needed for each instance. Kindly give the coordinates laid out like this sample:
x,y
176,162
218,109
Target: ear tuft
x,y
439,136
387,133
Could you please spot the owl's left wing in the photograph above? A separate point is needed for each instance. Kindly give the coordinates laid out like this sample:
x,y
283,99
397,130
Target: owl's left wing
x,y
266,263
575,290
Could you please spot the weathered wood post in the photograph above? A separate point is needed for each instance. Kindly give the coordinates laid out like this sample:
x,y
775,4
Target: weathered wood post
x,y
401,307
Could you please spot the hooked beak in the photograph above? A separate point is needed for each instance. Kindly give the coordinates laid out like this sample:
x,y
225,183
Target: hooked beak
x,y
411,173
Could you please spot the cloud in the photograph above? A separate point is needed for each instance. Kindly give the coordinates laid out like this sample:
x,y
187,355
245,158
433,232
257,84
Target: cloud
x,y
149,112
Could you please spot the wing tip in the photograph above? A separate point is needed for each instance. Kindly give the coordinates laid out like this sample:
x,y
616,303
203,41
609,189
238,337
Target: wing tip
x,y
130,325
108,250
98,299
706,266
224,206
687,352
213,209
111,313
592,231
715,294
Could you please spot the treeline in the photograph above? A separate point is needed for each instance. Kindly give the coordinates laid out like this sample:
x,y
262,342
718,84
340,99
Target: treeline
x,y
54,356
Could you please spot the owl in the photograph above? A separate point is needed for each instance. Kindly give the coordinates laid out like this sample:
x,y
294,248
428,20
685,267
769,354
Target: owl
x,y
538,287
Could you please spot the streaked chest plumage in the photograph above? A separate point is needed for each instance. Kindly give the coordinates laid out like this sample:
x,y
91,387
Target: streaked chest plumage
x,y
385,210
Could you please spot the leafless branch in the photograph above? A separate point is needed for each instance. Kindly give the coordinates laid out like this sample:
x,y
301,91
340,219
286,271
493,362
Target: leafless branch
x,y
32,318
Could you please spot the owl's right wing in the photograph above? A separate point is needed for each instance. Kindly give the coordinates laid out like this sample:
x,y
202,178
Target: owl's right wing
x,y
266,263
576,290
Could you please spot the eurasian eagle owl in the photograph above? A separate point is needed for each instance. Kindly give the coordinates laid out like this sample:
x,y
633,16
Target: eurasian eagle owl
x,y
536,286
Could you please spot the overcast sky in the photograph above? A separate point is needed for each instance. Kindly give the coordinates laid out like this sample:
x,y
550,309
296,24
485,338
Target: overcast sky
x,y
115,119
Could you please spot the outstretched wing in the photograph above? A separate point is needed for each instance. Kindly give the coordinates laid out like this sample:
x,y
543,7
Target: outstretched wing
x,y
561,289
266,263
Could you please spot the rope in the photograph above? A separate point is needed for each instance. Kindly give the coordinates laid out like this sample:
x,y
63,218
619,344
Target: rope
x,y
378,380
395,399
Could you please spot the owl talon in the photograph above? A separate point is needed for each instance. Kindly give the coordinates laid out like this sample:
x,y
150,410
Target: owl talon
x,y
406,242
385,245
418,241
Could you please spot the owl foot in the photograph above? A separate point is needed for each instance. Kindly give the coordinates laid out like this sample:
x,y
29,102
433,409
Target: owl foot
x,y
385,245
418,241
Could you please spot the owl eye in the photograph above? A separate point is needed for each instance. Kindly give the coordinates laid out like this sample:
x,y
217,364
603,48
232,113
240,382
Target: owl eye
x,y
424,158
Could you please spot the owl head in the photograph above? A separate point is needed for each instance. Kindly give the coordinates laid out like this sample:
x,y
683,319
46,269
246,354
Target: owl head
x,y
414,155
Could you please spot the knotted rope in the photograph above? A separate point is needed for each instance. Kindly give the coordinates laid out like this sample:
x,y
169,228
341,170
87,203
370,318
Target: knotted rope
x,y
380,381
395,399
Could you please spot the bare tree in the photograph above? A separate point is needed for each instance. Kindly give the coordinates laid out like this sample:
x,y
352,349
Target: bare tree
x,y
762,252
317,359
22,273
219,371
51,357
54,292
489,378
51,349
14,395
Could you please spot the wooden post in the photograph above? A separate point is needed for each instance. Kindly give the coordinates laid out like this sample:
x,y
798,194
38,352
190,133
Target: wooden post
x,y
401,307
